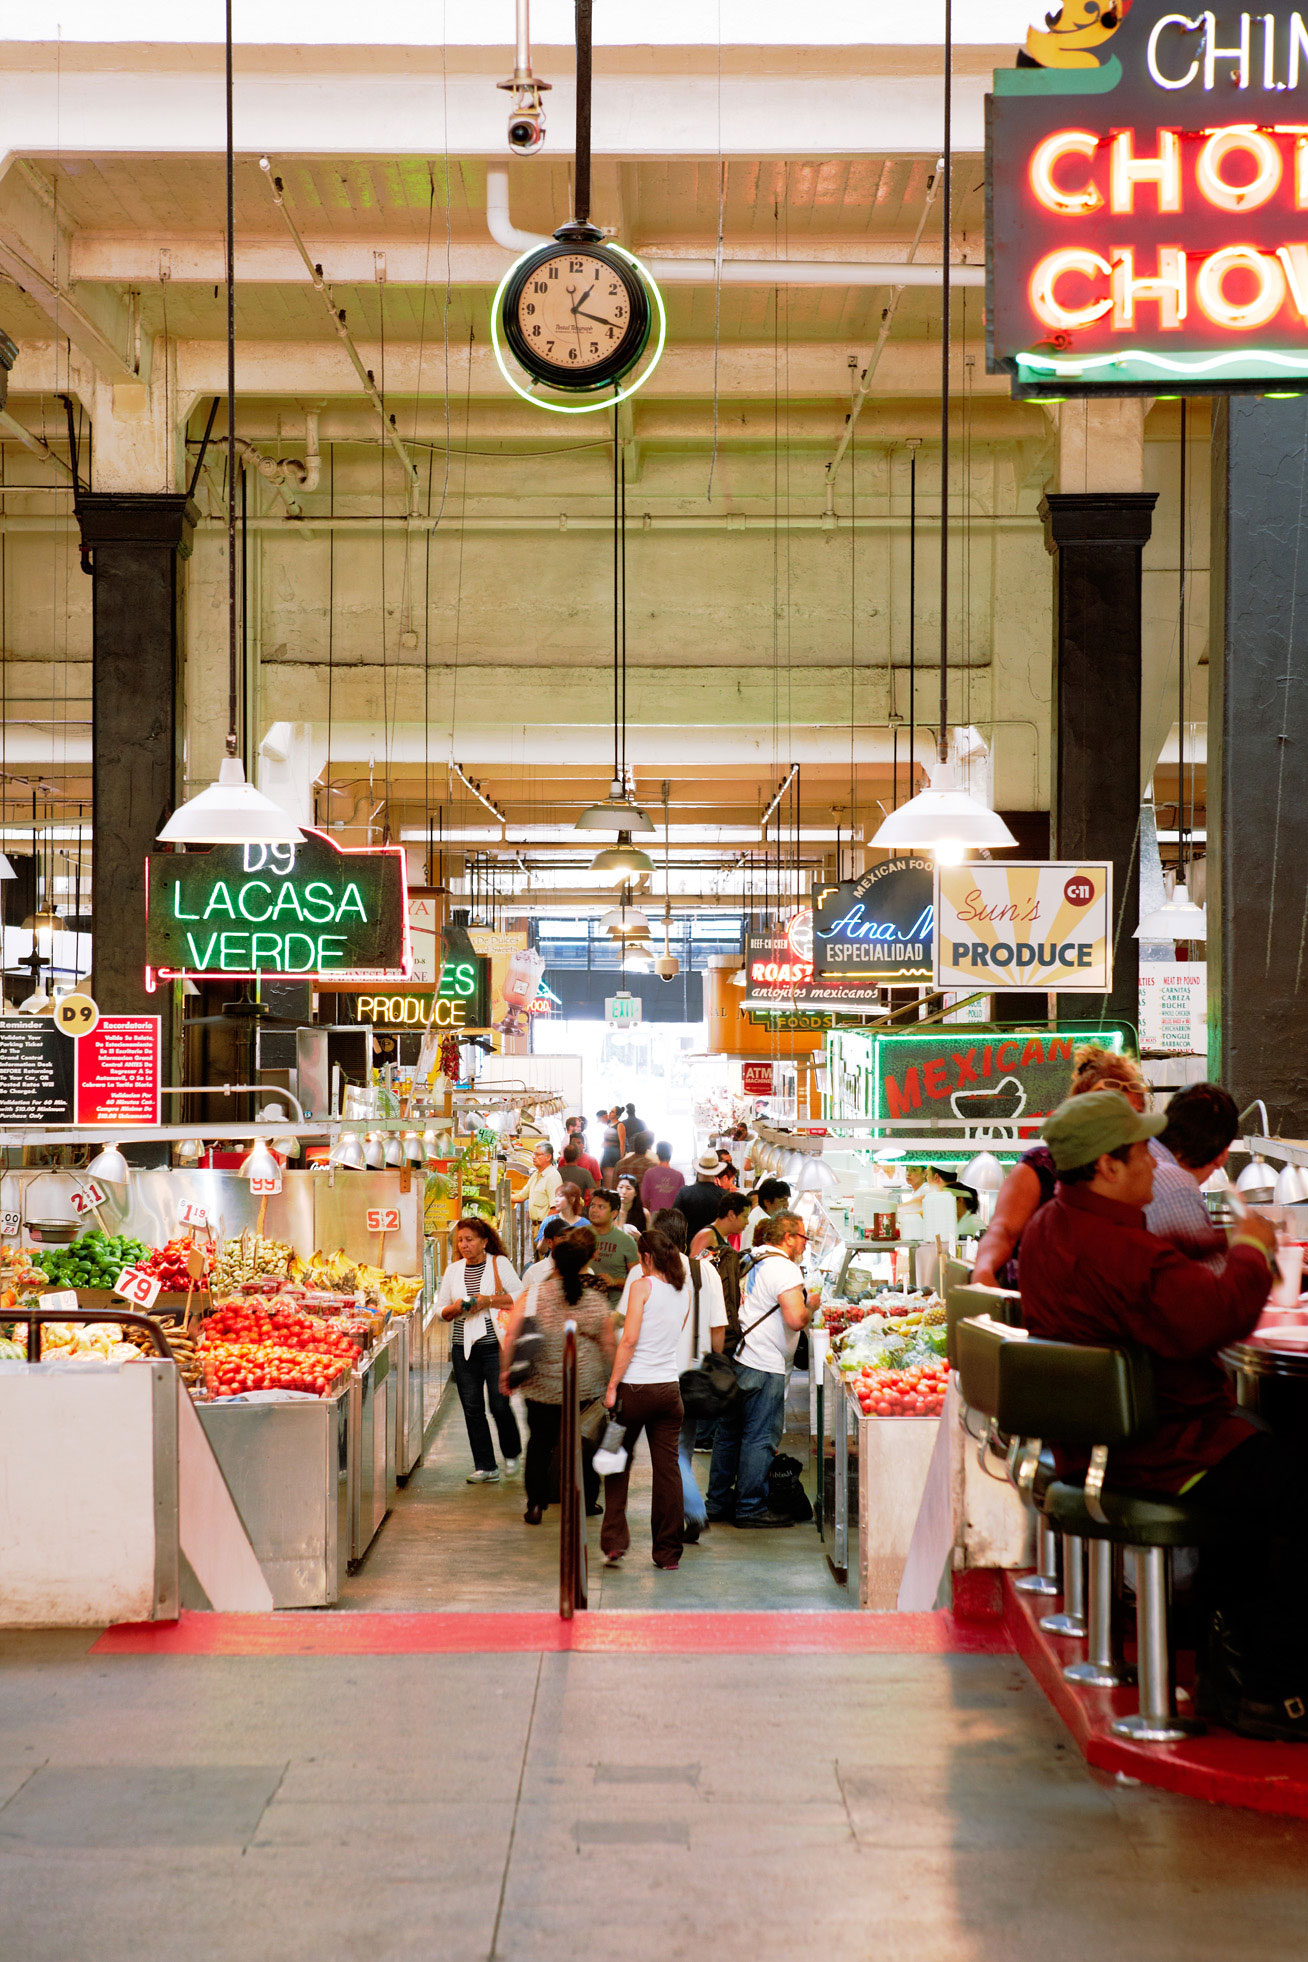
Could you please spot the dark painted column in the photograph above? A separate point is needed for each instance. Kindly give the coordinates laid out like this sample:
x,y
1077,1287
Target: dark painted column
x,y
135,545
1258,758
1097,539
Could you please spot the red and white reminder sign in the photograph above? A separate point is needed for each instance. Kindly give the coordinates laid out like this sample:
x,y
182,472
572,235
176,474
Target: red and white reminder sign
x,y
117,1072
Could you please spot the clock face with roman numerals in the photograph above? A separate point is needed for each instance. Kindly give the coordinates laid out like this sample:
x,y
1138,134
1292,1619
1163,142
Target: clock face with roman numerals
x,y
576,316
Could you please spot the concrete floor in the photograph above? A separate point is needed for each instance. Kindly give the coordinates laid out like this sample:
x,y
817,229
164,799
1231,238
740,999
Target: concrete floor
x,y
448,1544
523,1808
499,1807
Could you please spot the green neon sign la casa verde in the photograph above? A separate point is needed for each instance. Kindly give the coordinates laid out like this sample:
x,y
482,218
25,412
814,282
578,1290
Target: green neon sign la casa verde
x,y
314,910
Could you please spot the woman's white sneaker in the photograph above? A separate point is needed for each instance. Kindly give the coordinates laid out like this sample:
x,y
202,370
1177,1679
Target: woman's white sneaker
x,y
511,1466
482,1478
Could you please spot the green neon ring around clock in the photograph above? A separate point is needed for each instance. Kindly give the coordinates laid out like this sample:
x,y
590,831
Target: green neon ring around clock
x,y
604,398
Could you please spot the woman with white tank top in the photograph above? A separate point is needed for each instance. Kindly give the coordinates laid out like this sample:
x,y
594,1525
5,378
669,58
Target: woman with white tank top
x,y
644,1381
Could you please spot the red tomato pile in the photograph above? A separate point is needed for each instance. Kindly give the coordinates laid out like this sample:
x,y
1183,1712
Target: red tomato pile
x,y
168,1266
915,1392
231,1367
248,1347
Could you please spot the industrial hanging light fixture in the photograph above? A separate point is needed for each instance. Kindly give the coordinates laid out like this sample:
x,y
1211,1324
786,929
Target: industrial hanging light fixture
x,y
1178,918
231,811
260,1163
621,860
945,819
110,1164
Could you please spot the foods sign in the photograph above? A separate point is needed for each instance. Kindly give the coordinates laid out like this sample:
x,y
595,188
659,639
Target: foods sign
x,y
313,910
1025,925
1147,211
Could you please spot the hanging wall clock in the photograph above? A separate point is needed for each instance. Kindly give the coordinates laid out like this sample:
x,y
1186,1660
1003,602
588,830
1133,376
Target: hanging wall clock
x,y
578,313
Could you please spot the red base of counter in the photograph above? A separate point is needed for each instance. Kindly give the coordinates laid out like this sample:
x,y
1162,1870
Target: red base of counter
x,y
767,1633
1219,1766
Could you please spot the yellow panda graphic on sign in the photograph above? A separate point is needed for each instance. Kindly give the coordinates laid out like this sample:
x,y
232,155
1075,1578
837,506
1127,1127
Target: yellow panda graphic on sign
x,y
1073,36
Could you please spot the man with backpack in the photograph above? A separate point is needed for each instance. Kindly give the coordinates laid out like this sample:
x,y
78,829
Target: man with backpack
x,y
713,1242
773,1309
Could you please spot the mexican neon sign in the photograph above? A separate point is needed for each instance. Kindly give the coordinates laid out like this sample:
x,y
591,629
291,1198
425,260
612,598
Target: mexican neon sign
x,y
1148,203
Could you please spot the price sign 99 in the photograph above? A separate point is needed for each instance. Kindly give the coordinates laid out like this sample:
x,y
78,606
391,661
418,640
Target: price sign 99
x,y
137,1287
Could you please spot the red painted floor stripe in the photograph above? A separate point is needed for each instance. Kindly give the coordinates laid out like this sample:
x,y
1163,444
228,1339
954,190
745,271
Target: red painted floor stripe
x,y
1220,1767
610,1632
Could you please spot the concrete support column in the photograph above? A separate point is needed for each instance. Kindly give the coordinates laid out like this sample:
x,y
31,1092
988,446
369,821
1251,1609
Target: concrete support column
x,y
135,545
1097,539
1257,757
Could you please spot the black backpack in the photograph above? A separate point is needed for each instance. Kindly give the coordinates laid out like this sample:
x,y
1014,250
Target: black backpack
x,y
786,1496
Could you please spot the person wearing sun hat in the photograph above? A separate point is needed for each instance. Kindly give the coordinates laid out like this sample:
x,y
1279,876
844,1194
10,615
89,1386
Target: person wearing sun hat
x,y
1092,1273
699,1201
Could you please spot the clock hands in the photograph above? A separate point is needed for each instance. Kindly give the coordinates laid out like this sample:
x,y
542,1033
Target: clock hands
x,y
585,296
592,316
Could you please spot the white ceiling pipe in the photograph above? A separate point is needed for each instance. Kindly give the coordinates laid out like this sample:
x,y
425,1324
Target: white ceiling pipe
x,y
736,272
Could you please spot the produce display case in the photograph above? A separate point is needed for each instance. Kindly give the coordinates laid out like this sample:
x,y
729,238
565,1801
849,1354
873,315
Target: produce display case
x,y
287,1466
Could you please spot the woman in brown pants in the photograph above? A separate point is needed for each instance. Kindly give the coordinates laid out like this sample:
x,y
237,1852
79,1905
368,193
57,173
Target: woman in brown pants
x,y
645,1369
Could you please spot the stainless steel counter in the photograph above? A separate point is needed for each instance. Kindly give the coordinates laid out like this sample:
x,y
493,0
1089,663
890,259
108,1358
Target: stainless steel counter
x,y
372,1445
287,1468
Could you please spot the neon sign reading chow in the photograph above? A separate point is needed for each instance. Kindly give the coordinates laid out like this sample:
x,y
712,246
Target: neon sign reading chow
x,y
1148,211
313,909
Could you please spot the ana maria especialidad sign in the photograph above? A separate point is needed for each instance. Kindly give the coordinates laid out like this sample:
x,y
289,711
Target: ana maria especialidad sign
x,y
1024,924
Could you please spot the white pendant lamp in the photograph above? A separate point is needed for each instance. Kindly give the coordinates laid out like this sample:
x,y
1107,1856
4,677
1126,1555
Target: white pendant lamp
x,y
260,1164
1178,918
348,1152
412,1148
944,820
1257,1182
984,1173
620,861
374,1153
231,811
625,923
190,1151
6,869
394,1153
110,1164
1291,1185
814,1175
616,813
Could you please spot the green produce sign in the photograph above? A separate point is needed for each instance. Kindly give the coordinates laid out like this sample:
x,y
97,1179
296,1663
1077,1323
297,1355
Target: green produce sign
x,y
311,909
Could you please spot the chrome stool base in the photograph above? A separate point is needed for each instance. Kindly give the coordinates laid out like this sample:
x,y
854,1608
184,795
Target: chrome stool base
x,y
1071,1622
1072,1626
1157,1730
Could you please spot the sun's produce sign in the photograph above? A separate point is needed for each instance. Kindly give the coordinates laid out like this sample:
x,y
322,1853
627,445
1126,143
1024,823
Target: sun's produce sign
x,y
312,909
1147,209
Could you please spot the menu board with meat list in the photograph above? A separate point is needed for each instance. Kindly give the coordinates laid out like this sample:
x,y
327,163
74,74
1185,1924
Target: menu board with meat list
x,y
36,1072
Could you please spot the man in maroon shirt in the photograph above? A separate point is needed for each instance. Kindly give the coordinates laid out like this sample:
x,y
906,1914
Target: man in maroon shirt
x,y
576,1124
1092,1273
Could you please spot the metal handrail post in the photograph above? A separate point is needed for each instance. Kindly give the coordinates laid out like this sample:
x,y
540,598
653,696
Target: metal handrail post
x,y
572,1517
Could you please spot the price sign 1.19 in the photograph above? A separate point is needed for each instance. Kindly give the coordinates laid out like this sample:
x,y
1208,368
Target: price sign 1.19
x,y
85,1199
137,1287
382,1219
266,1188
193,1214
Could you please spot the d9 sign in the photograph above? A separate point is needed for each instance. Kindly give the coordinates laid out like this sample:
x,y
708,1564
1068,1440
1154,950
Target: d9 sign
x,y
137,1287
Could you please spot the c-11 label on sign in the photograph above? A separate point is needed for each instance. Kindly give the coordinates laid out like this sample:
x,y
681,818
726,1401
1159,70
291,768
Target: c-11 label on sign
x,y
382,1219
135,1286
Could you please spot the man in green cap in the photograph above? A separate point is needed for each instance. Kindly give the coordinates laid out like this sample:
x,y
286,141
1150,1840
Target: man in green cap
x,y
1092,1273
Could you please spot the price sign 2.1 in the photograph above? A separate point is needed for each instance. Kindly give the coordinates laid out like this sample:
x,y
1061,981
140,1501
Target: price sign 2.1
x,y
134,1286
88,1197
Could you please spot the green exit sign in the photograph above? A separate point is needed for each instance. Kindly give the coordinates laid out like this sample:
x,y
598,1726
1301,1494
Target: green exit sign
x,y
312,909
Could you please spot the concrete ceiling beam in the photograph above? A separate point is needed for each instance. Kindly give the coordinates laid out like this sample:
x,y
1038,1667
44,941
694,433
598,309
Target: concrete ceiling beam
x,y
101,321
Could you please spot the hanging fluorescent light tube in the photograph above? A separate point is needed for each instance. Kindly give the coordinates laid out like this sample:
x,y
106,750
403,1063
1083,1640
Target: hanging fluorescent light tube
x,y
478,793
793,773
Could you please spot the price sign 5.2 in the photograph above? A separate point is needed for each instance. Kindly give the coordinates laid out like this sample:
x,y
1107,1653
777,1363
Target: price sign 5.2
x,y
135,1286
382,1219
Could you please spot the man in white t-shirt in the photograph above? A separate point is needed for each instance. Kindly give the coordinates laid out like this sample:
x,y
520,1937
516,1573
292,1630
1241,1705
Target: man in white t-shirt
x,y
773,1309
705,1328
770,1198
542,1186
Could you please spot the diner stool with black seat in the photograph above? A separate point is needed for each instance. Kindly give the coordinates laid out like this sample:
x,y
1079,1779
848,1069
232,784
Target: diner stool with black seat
x,y
964,1300
1092,1399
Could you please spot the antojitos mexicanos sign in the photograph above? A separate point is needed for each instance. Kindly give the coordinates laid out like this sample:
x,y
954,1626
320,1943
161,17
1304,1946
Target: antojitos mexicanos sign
x,y
312,909
1148,202
1025,924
